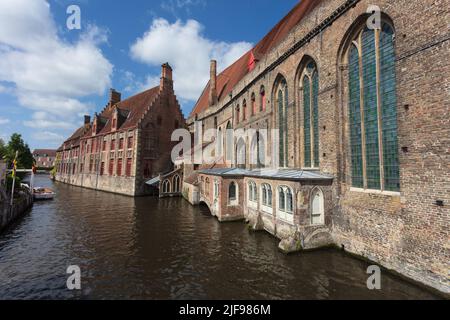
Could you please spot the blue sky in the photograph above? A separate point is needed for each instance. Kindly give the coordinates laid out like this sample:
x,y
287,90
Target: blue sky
x,y
50,76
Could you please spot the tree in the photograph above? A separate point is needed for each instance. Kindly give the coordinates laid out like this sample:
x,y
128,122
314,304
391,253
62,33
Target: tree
x,y
2,149
25,157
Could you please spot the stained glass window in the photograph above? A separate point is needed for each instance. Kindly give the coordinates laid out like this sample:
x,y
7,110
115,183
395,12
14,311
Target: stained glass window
x,y
355,119
307,120
282,204
281,126
311,116
372,111
282,96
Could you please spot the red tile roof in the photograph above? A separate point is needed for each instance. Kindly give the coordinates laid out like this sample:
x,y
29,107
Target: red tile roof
x,y
74,140
135,107
231,76
49,152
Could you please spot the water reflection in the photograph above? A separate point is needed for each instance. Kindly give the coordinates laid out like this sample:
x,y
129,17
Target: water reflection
x,y
165,249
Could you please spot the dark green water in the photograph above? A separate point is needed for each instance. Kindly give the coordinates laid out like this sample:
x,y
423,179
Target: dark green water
x,y
147,248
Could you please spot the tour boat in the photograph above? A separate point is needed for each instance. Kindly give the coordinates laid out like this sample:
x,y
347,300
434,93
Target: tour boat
x,y
43,194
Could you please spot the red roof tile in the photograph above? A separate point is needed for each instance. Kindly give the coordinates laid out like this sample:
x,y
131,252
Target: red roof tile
x,y
231,76
49,152
74,140
135,106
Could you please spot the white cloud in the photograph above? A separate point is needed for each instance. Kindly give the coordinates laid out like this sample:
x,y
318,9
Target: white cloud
x,y
48,73
4,121
42,120
174,5
188,51
48,136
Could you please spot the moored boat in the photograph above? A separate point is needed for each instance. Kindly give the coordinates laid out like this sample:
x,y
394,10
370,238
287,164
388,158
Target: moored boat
x,y
43,194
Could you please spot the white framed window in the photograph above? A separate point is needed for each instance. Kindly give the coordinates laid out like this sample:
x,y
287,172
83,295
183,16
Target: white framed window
x,y
266,198
252,194
166,186
285,204
216,190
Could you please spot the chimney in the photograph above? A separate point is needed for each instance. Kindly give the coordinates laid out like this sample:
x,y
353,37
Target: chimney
x,y
87,119
166,77
114,97
213,99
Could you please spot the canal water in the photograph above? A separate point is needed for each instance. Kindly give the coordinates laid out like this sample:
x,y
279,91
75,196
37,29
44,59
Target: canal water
x,y
147,248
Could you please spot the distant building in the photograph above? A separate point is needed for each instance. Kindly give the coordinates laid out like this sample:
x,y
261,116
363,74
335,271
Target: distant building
x,y
44,158
127,144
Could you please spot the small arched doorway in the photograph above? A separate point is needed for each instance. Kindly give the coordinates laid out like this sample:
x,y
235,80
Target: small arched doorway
x,y
317,207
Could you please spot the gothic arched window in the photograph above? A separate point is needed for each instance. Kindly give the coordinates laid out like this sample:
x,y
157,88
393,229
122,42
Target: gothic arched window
x,y
244,110
310,88
253,99
262,94
283,101
232,192
373,110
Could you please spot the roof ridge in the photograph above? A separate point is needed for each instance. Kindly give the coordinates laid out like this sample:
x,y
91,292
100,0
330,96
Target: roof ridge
x,y
273,38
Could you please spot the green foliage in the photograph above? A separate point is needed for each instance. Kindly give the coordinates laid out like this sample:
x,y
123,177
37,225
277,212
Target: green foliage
x,y
9,181
25,157
2,149
53,172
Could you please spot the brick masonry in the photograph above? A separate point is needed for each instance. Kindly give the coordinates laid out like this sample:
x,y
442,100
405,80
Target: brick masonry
x,y
406,231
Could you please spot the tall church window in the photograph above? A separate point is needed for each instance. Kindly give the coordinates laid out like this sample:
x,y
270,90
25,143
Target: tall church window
x,y
253,99
244,110
262,94
310,88
283,102
373,110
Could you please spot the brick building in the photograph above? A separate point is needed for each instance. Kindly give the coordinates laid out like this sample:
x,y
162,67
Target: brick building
x,y
126,144
363,138
44,158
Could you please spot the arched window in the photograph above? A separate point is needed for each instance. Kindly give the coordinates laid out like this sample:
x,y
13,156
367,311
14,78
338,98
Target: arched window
x,y
229,143
289,201
238,114
252,192
216,189
176,184
373,110
262,96
166,186
244,110
310,90
285,204
253,99
266,195
282,110
219,143
207,186
232,193
281,199
241,159
317,207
